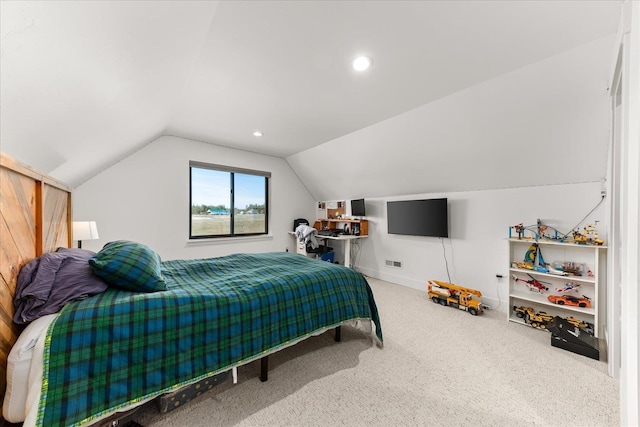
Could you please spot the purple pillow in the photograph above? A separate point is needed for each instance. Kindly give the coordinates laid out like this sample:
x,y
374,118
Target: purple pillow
x,y
48,283
76,252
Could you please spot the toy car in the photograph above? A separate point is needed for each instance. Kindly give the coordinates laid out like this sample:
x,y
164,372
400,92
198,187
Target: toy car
x,y
586,326
521,311
570,300
537,319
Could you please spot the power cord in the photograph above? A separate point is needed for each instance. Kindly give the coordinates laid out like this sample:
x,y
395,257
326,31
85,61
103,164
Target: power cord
x,y
586,216
498,294
446,263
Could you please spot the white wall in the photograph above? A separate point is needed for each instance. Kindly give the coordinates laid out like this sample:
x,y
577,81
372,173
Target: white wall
x,y
628,252
479,222
145,198
546,123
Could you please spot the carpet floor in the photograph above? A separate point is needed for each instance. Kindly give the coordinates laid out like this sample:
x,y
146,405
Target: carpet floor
x,y
439,367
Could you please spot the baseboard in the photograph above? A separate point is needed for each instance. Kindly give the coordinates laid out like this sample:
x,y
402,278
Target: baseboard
x,y
493,303
395,278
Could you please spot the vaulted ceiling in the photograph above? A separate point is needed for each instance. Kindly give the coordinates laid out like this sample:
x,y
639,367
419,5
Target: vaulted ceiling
x,y
86,83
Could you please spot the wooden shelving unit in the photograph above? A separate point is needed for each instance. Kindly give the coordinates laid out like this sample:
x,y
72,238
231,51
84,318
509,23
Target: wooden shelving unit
x,y
361,225
332,217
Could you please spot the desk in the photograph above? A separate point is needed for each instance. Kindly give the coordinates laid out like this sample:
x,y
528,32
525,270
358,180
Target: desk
x,y
346,240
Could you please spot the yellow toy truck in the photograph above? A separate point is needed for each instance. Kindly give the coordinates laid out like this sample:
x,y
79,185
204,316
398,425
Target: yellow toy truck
x,y
537,319
454,296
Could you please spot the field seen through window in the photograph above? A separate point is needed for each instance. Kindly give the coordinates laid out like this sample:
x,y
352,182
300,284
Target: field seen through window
x,y
211,225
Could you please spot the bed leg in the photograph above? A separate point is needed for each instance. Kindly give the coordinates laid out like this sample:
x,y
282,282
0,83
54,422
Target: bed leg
x,y
337,337
264,368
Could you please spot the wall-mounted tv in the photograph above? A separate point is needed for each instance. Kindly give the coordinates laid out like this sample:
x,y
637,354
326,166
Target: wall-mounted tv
x,y
418,217
357,207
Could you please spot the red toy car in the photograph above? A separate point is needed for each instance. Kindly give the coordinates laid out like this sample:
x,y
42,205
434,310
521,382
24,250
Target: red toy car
x,y
570,300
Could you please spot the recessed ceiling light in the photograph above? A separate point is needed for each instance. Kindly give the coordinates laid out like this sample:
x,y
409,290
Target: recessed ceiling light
x,y
362,63
257,133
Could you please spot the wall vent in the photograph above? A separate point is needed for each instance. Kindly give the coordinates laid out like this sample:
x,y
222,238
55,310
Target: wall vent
x,y
394,264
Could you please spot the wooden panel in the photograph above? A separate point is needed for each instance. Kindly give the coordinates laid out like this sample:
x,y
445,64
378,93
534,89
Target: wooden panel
x,y
18,213
54,218
8,330
364,227
17,231
35,217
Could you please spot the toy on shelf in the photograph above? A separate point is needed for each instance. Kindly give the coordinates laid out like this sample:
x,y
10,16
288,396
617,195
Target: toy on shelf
x,y
589,236
537,319
533,284
533,254
586,326
538,231
525,266
557,272
519,228
532,260
521,265
541,319
584,302
578,237
568,267
546,232
455,296
569,286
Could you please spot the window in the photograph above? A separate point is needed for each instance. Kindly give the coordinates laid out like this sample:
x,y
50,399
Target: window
x,y
227,202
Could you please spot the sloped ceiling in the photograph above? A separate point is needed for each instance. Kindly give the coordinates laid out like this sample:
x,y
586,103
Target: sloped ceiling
x,y
86,83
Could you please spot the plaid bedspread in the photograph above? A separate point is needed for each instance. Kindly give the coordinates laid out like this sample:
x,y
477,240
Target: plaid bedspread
x,y
118,348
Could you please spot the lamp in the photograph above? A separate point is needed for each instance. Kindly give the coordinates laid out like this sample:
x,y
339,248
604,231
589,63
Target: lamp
x,y
84,230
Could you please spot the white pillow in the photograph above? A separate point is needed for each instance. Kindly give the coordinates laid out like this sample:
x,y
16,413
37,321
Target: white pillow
x,y
18,366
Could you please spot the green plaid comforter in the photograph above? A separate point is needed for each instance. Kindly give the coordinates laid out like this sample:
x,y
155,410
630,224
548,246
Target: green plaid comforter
x,y
119,347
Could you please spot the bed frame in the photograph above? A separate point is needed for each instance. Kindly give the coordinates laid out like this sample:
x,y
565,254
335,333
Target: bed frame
x,y
35,217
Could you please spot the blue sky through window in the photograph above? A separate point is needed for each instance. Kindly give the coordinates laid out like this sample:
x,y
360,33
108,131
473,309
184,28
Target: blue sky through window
x,y
211,187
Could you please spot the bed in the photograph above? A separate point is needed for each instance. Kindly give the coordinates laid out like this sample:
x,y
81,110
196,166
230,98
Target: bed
x,y
124,346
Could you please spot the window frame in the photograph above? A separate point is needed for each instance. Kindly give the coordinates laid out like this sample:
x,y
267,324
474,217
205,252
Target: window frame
x,y
232,171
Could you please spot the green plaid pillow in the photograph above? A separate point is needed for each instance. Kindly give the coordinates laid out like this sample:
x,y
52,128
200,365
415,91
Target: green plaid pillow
x,y
129,265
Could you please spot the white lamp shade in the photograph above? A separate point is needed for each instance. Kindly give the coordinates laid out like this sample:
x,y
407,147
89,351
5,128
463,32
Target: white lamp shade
x,y
85,230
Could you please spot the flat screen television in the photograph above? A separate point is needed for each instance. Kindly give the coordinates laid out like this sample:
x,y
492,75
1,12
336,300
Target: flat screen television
x,y
418,217
357,207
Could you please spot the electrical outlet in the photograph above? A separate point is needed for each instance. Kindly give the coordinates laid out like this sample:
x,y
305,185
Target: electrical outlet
x,y
603,193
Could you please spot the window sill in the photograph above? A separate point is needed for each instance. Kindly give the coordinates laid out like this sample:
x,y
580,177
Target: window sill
x,y
217,240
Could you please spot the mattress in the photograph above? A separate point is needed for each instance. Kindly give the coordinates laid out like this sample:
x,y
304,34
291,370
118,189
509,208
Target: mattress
x,y
24,373
19,368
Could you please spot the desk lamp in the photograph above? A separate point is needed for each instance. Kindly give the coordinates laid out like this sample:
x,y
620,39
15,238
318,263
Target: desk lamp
x,y
84,230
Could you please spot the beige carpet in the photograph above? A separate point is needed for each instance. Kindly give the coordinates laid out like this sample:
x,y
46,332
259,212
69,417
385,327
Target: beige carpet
x,y
439,367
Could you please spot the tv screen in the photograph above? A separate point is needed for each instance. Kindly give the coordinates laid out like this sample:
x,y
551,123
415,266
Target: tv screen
x,y
357,207
418,217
